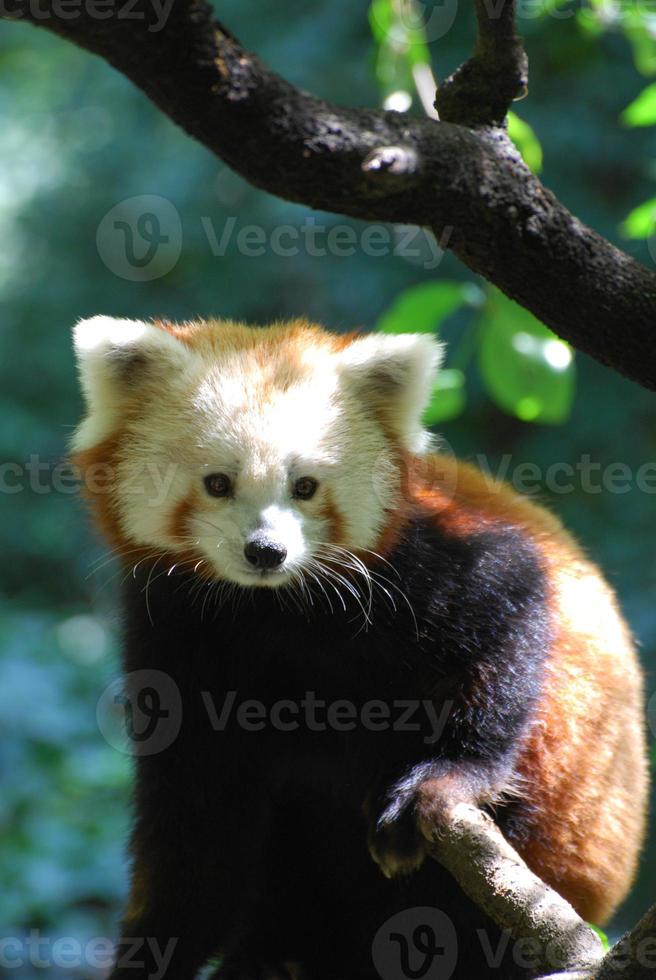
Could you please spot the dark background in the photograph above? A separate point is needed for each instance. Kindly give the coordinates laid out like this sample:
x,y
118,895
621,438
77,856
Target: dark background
x,y
76,139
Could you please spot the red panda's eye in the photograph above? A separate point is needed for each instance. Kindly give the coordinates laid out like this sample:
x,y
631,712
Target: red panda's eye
x,y
218,485
304,488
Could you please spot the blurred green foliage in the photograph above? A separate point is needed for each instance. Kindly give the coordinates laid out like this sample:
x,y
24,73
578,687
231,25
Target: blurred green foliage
x,y
526,369
526,142
76,140
642,111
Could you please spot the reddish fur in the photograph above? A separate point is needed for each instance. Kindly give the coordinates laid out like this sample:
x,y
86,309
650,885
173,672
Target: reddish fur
x,y
334,521
589,811
104,458
179,523
103,502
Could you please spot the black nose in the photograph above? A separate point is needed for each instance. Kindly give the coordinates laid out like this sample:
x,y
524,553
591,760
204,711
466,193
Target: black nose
x,y
264,553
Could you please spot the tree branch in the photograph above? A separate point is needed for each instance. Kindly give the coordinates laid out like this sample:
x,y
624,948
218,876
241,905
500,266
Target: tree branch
x,y
634,956
475,193
495,877
470,187
480,92
561,946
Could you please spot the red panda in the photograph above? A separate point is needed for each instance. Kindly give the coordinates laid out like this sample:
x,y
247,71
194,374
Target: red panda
x,y
291,540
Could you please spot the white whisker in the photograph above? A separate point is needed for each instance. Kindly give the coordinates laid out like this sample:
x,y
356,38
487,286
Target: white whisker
x,y
328,555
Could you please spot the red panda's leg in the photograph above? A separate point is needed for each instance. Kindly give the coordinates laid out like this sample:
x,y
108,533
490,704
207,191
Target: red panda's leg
x,y
412,808
170,940
195,876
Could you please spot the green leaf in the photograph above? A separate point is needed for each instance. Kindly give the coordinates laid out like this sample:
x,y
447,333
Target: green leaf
x,y
448,399
589,23
642,111
526,142
638,29
527,370
641,222
423,308
380,19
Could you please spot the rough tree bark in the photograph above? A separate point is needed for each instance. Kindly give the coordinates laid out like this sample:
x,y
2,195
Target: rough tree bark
x,y
513,896
562,946
461,177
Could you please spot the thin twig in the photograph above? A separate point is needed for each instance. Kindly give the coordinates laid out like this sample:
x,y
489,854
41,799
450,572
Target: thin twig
x,y
480,92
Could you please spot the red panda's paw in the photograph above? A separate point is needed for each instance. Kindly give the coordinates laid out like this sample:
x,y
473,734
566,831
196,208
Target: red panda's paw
x,y
395,843
396,854
411,814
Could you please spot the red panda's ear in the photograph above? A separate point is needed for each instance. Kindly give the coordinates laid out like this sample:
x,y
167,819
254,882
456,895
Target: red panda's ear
x,y
116,359
395,373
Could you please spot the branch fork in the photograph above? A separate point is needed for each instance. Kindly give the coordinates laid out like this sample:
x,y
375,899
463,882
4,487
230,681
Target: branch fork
x,y
461,173
480,92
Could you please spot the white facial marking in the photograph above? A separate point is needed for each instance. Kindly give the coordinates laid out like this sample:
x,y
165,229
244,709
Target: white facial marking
x,y
305,409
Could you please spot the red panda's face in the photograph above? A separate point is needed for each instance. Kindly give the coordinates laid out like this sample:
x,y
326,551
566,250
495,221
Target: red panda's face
x,y
254,455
